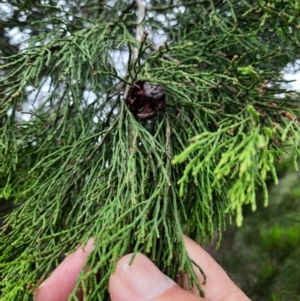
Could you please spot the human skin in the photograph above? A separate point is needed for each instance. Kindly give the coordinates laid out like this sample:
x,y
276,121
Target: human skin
x,y
142,280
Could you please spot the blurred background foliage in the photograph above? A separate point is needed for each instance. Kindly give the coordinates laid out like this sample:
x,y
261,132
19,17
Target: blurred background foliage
x,y
263,256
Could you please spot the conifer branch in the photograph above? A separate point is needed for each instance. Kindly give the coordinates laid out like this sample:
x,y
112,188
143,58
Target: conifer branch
x,y
82,165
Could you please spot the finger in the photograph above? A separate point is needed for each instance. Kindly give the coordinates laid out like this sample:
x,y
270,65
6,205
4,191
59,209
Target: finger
x,y
144,281
62,281
218,285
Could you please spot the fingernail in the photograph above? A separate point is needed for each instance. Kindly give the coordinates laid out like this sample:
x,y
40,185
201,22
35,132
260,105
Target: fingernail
x,y
90,246
35,297
143,278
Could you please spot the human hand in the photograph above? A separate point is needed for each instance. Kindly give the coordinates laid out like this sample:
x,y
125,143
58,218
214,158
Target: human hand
x,y
142,280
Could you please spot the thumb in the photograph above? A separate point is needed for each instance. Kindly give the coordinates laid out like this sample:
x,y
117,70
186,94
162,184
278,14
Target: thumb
x,y
142,280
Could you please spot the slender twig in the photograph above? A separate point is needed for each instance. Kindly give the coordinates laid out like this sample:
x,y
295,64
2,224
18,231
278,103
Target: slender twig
x,y
127,10
139,29
139,34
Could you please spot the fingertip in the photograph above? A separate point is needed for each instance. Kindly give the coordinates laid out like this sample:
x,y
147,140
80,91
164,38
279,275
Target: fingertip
x,y
60,284
141,280
89,247
218,285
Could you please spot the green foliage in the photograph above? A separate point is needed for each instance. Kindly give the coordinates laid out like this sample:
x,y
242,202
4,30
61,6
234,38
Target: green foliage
x,y
267,248
84,166
278,236
246,160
